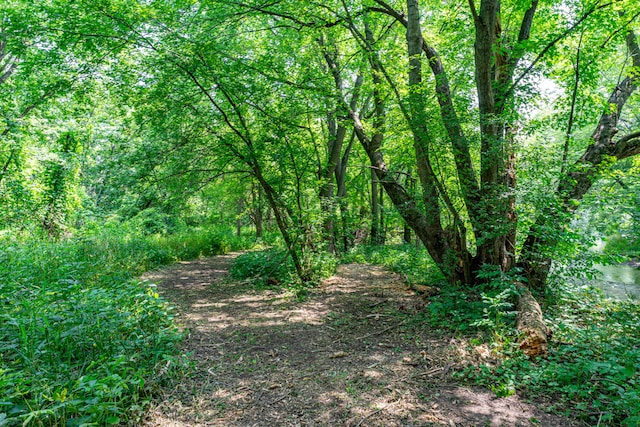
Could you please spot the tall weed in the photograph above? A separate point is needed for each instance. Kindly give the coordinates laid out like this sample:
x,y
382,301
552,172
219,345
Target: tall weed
x,y
81,341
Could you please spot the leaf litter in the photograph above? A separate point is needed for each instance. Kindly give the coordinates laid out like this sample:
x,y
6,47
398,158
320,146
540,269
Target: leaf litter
x,y
343,357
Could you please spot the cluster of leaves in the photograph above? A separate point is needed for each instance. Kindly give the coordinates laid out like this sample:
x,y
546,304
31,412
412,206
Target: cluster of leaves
x,y
81,341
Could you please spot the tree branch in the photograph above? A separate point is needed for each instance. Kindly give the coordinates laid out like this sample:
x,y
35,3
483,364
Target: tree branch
x,y
474,12
628,146
552,43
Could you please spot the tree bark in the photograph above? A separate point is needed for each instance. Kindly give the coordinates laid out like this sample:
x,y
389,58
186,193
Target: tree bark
x,y
530,323
375,210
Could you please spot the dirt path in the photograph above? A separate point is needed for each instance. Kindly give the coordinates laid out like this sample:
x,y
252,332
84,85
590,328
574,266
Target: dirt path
x,y
343,357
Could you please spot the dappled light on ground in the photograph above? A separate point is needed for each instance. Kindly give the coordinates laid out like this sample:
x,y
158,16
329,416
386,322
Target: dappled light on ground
x,y
344,357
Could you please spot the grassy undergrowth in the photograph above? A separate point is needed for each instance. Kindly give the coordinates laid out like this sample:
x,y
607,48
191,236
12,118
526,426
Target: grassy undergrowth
x,y
273,268
81,341
592,370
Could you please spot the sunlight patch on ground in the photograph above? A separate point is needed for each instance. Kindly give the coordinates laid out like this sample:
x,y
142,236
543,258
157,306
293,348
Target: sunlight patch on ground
x,y
204,304
371,374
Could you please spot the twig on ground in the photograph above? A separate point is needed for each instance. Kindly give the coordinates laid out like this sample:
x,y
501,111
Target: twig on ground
x,y
284,396
375,412
379,332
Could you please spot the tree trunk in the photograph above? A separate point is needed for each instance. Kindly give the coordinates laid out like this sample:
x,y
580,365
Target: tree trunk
x,y
240,206
281,222
375,211
257,211
428,228
406,233
336,165
382,237
341,179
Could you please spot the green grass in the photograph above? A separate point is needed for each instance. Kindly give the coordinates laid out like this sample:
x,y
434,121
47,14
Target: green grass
x,y
81,341
273,268
404,259
593,368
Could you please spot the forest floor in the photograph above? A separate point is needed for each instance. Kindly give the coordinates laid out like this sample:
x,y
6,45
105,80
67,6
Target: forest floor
x,y
343,357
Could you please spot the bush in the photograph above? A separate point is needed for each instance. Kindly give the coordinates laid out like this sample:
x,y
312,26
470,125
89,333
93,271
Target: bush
x,y
273,268
265,268
81,341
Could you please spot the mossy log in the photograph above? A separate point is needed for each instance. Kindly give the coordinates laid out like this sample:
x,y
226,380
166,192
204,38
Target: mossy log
x,y
529,322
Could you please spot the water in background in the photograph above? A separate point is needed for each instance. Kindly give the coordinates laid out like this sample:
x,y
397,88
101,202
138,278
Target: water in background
x,y
619,281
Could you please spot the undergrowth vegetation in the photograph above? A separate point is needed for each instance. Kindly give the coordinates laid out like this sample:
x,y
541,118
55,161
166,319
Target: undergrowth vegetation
x,y
272,268
592,367
82,342
591,371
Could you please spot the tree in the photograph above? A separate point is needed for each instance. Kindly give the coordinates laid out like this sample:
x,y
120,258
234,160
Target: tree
x,y
483,211
433,88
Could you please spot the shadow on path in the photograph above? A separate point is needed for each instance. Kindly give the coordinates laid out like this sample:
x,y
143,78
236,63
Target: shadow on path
x,y
343,357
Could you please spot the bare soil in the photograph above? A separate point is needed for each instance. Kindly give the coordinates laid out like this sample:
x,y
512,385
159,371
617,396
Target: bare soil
x,y
343,357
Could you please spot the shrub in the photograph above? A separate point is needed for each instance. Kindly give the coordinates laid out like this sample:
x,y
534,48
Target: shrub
x,y
273,268
81,341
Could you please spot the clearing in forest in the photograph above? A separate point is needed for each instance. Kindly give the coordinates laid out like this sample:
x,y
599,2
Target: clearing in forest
x,y
346,356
